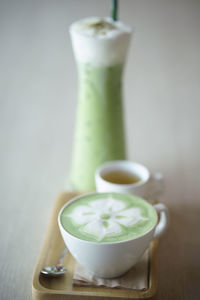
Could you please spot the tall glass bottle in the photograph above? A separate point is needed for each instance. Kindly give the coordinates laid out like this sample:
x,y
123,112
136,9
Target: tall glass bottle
x,y
100,48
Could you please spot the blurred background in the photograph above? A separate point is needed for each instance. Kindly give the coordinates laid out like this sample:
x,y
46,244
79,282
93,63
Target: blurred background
x,y
38,98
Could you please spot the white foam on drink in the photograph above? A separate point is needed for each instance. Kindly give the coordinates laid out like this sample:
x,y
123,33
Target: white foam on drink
x,y
104,217
104,45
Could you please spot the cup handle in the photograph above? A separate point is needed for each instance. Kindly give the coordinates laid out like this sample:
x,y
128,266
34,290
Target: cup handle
x,y
156,186
164,219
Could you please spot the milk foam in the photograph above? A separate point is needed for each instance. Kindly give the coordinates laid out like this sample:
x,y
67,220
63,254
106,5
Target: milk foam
x,y
105,217
100,41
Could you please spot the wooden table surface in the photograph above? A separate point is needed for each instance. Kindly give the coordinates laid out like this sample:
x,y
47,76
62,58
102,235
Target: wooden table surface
x,y
38,88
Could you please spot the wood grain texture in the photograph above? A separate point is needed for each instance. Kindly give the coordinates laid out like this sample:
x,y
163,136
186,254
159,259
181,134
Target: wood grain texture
x,y
38,87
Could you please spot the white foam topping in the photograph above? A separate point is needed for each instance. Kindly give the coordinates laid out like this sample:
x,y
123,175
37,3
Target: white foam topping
x,y
100,41
103,217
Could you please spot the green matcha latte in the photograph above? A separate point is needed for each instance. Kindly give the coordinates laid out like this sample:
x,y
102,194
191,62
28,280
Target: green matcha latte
x,y
100,47
108,217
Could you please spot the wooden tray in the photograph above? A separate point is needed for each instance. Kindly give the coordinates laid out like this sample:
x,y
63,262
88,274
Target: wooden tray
x,y
62,288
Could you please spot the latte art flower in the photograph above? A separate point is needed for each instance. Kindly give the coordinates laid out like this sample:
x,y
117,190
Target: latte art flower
x,y
105,217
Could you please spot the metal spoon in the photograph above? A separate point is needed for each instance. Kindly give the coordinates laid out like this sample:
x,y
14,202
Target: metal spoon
x,y
58,269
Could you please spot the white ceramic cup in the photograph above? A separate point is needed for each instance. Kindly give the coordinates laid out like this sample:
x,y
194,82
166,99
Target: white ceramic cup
x,y
149,187
112,259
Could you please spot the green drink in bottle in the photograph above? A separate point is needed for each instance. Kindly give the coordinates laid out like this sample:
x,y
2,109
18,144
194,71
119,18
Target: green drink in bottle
x,y
100,47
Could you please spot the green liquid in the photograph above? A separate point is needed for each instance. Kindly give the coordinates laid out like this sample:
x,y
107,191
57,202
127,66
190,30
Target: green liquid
x,y
108,217
99,133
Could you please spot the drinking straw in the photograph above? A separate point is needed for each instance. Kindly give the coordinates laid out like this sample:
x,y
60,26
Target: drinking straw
x,y
114,10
